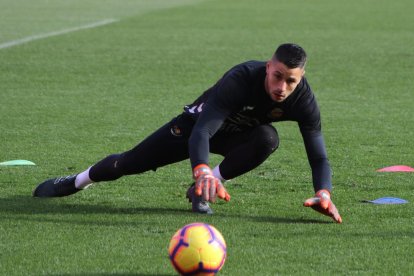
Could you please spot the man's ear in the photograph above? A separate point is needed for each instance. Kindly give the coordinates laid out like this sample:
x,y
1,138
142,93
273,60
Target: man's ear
x,y
268,65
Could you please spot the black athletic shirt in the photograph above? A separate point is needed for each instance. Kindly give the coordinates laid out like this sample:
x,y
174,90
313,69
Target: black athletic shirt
x,y
239,101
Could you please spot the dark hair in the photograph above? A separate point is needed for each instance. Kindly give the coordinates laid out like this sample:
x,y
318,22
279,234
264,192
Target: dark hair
x,y
291,55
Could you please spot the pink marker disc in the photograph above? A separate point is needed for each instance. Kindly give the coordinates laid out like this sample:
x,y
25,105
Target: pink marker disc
x,y
397,168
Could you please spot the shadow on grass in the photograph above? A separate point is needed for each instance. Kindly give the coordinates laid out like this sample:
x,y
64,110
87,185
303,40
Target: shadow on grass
x,y
290,220
27,205
108,274
31,205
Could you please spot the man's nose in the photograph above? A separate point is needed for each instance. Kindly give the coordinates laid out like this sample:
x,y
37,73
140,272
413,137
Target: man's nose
x,y
281,86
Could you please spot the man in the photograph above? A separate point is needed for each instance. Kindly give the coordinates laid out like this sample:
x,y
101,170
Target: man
x,y
233,118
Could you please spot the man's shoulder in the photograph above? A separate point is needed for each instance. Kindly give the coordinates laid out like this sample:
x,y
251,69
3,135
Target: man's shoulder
x,y
250,66
302,101
304,86
303,92
305,107
249,72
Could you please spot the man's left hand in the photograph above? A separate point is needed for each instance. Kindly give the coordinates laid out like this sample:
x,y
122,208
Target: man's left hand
x,y
322,203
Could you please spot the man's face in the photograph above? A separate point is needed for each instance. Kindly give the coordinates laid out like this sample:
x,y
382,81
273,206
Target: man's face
x,y
280,80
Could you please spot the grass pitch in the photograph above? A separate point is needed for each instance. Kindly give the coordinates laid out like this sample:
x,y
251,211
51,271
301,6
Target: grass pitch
x,y
71,99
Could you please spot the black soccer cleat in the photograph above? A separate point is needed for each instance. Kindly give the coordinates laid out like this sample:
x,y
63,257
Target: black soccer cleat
x,y
197,203
57,187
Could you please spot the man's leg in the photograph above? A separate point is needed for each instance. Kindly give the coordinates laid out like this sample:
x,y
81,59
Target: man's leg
x,y
167,145
159,149
243,151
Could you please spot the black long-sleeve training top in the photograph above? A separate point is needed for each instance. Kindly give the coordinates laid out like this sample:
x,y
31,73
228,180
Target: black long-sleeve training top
x,y
239,101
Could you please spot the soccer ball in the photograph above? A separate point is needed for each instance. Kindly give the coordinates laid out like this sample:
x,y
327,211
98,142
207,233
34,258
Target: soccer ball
x,y
197,249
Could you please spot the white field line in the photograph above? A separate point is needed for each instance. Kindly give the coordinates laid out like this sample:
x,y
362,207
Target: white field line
x,y
61,32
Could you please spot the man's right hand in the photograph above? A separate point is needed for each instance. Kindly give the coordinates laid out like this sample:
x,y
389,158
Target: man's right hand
x,y
208,186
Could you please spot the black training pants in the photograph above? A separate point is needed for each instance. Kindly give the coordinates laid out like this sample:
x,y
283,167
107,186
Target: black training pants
x,y
242,151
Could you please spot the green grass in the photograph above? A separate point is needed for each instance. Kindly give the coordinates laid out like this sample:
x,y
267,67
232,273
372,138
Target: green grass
x,y
69,100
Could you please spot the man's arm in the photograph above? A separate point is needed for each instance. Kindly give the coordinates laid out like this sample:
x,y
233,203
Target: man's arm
x,y
228,96
321,175
310,127
209,121
206,184
318,160
224,99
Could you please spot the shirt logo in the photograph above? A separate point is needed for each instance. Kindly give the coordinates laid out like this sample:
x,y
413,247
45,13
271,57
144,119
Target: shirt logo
x,y
248,108
176,131
276,113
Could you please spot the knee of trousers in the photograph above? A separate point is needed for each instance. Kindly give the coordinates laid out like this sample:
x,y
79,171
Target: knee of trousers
x,y
266,139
